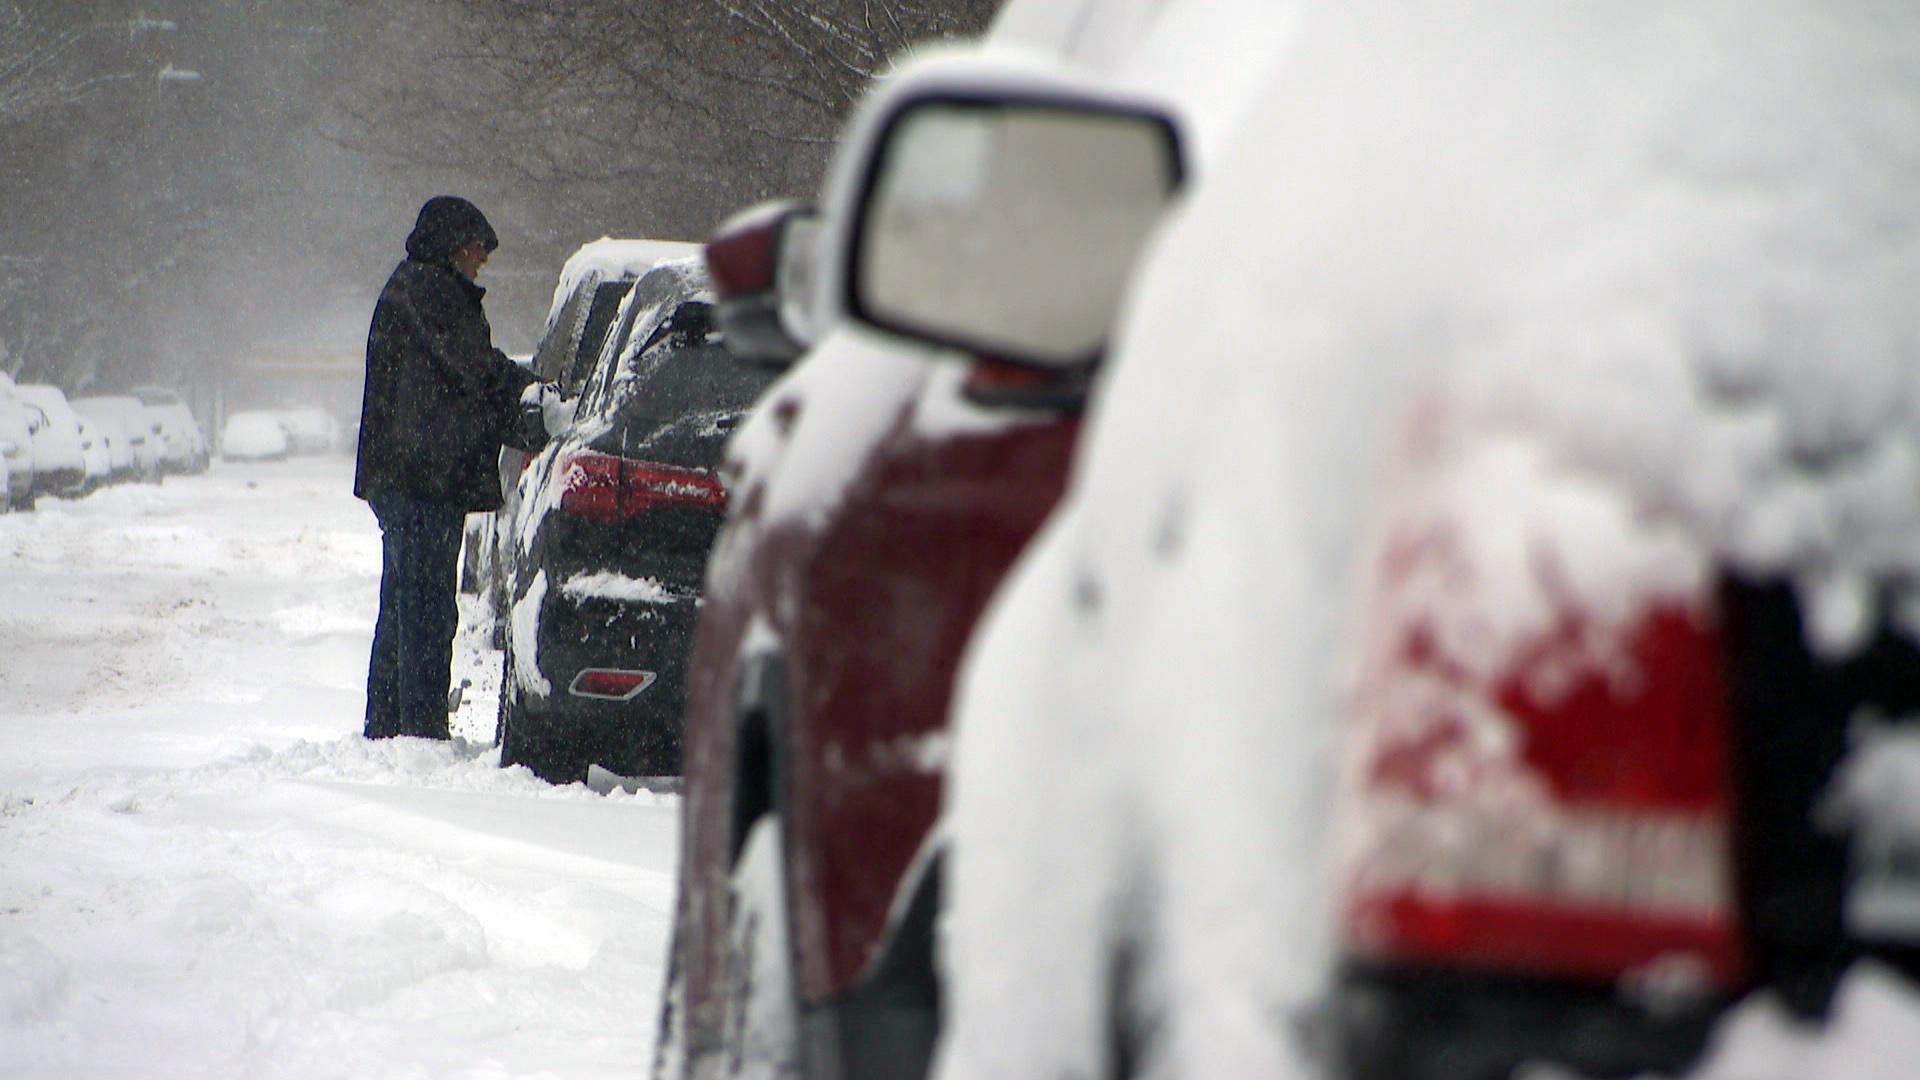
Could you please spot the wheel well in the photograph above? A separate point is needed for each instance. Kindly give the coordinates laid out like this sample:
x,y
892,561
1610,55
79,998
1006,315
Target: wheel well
x,y
904,967
758,706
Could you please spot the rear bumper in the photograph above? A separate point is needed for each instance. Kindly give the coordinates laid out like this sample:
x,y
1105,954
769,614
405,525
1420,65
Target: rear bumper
x,y
1401,1024
639,736
60,481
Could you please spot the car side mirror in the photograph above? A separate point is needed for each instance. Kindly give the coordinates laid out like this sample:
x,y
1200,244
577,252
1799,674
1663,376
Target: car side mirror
x,y
761,264
1006,225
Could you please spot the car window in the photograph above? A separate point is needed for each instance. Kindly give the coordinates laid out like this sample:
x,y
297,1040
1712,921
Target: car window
x,y
593,333
647,306
682,399
593,392
550,356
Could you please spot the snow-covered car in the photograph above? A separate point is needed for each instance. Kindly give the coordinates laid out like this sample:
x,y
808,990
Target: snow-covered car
x,y
59,462
104,435
97,444
1478,632
614,521
254,435
17,422
186,449
310,429
881,491
593,282
134,429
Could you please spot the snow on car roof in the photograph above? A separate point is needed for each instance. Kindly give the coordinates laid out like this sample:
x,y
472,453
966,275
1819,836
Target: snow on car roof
x,y
612,259
50,398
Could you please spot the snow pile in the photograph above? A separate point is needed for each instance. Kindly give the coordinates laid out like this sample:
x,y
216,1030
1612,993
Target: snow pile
x,y
1657,251
209,873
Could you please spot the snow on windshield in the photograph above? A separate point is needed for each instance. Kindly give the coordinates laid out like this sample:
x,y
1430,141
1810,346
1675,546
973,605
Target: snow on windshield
x,y
1661,252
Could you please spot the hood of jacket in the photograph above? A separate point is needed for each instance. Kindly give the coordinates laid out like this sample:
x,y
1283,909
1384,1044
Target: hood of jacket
x,y
447,223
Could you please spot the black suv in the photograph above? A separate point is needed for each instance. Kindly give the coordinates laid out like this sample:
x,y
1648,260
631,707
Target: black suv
x,y
610,535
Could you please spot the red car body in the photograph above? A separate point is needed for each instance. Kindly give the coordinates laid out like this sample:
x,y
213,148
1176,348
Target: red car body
x,y
881,491
835,638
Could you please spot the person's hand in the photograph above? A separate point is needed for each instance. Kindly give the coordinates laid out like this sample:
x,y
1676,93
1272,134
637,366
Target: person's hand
x,y
556,413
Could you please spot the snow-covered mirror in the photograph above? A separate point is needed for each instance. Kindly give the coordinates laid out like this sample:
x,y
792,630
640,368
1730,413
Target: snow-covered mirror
x,y
1008,227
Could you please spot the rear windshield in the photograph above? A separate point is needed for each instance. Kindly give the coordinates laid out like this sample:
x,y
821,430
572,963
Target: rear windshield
x,y
676,378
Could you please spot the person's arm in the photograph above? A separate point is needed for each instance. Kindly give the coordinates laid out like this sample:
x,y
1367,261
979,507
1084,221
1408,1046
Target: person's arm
x,y
462,353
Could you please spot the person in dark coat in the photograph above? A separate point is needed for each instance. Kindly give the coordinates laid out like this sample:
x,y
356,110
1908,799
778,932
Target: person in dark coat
x,y
439,402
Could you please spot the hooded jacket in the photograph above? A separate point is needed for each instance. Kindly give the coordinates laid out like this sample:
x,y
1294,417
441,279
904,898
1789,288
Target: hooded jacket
x,y
439,399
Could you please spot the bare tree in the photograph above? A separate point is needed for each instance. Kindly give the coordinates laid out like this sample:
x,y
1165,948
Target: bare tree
x,y
157,226
691,107
35,73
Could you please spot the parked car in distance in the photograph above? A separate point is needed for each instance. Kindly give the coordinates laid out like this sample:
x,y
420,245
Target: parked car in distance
x,y
254,435
59,462
127,419
186,445
611,532
881,491
310,429
113,441
586,303
17,423
96,449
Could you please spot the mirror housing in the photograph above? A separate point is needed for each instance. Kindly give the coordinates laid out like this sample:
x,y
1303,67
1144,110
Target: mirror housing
x,y
1005,222
761,264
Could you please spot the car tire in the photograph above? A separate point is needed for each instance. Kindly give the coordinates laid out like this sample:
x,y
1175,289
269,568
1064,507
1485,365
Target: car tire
x,y
524,740
760,1030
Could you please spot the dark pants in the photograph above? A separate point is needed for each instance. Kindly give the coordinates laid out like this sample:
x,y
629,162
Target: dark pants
x,y
408,676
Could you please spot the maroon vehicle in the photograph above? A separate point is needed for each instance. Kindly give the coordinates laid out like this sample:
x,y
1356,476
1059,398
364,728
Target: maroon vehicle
x,y
881,492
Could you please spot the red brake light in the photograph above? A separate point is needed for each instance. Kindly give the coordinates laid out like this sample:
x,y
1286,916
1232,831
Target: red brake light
x,y
1566,816
605,488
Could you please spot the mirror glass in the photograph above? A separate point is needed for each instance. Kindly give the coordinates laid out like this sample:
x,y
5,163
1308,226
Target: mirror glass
x,y
1009,228
797,275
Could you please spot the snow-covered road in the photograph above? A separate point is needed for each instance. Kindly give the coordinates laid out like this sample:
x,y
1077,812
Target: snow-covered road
x,y
206,872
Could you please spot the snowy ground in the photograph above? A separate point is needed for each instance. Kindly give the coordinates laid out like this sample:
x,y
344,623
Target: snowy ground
x,y
206,872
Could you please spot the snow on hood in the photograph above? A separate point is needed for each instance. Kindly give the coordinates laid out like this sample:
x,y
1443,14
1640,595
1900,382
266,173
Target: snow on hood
x,y
1662,250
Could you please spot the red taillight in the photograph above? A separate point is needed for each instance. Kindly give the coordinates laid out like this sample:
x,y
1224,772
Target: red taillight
x,y
606,488
1564,815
